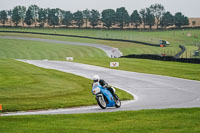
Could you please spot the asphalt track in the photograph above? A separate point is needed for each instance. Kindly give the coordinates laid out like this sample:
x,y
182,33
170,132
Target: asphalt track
x,y
110,51
150,91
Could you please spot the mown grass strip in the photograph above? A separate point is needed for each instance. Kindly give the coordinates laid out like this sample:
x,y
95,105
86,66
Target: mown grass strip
x,y
145,121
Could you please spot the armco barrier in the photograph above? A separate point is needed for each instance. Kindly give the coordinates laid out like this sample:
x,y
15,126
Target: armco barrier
x,y
163,58
107,39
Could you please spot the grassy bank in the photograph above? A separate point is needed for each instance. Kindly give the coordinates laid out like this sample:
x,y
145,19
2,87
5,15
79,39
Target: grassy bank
x,y
146,121
27,87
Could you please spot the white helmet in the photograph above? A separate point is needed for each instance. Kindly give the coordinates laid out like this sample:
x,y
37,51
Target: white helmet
x,y
96,78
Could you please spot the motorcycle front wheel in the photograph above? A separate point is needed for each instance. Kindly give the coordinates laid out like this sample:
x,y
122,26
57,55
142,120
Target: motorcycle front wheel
x,y
101,102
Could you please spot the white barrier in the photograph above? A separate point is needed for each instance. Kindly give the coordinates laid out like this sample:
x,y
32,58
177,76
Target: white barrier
x,y
69,58
114,64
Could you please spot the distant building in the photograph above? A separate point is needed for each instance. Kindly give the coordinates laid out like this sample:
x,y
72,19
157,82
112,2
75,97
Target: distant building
x,y
194,22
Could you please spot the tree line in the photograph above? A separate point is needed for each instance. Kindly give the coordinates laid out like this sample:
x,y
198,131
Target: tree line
x,y
151,16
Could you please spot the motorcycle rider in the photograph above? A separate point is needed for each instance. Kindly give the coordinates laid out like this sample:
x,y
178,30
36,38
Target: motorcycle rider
x,y
96,78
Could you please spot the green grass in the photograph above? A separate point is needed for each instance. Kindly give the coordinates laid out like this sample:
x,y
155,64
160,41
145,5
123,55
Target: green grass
x,y
27,87
23,49
167,68
145,121
175,37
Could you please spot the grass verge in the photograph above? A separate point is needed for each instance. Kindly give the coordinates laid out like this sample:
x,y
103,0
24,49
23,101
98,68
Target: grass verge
x,y
145,121
27,87
166,68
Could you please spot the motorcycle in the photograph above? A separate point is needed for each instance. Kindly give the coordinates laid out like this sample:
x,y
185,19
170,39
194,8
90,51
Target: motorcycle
x,y
104,97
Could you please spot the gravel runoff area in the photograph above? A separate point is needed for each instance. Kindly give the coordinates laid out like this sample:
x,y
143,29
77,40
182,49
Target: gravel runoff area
x,y
150,91
110,51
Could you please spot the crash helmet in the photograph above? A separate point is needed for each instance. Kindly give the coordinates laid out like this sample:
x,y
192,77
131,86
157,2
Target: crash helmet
x,y
96,78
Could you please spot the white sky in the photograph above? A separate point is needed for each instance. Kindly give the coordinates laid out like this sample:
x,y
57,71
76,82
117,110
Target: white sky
x,y
190,8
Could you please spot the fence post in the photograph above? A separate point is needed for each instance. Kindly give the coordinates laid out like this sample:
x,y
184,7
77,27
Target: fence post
x,y
186,53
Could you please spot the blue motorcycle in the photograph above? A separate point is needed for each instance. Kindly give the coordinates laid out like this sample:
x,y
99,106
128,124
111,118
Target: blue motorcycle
x,y
104,97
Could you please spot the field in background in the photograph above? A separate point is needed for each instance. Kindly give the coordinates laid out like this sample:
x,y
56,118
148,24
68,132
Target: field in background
x,y
188,38
144,121
125,47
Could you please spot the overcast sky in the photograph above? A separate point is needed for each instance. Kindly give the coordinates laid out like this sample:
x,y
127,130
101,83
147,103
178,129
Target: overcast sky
x,y
190,8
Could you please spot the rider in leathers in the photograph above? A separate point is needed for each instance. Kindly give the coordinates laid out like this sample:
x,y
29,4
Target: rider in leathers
x,y
96,78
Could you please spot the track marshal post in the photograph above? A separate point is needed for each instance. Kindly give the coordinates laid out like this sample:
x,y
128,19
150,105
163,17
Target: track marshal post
x,y
114,64
69,58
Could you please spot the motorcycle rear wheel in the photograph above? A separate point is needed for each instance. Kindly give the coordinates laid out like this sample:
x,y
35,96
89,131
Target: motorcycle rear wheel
x,y
117,101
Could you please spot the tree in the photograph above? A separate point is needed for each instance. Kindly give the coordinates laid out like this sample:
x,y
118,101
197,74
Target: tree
x,y
122,17
78,18
94,18
150,18
16,15
22,13
86,16
29,18
9,12
42,16
68,17
108,17
180,20
60,14
34,10
167,20
53,17
185,21
3,17
135,19
157,10
143,16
